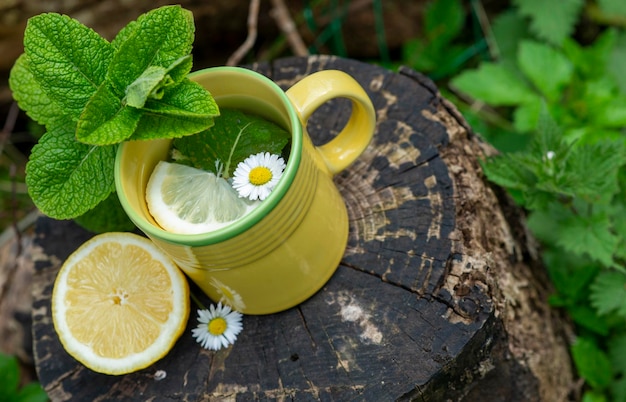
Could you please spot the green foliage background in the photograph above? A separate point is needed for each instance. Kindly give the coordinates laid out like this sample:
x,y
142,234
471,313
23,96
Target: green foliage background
x,y
553,101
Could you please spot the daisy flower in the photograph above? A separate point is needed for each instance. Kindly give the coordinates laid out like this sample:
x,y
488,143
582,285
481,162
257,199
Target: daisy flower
x,y
218,327
256,176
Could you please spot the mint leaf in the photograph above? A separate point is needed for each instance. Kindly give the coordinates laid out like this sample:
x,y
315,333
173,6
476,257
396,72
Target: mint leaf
x,y
551,20
186,109
592,363
66,178
105,120
107,216
68,60
494,84
30,96
547,68
153,81
233,138
608,293
157,38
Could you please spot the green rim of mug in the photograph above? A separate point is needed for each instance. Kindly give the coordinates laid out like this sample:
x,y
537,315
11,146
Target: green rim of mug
x,y
255,215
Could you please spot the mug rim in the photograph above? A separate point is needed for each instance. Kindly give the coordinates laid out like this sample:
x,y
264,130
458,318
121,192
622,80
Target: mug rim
x,y
253,217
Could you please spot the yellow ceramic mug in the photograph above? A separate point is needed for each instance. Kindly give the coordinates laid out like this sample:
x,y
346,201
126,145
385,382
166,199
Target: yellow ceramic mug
x,y
286,249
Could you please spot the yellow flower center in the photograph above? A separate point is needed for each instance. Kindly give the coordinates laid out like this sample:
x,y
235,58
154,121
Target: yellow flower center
x,y
217,326
260,175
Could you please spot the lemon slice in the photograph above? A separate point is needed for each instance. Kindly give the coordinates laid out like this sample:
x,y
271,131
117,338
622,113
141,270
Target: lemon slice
x,y
186,200
119,303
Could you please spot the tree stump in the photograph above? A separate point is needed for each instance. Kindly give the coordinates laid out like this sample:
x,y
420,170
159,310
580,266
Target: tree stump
x,y
440,295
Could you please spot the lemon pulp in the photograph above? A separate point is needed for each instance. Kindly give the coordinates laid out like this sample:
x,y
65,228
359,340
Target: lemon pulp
x,y
186,200
119,304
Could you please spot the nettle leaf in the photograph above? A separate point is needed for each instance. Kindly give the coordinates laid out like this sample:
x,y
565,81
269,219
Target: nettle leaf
x,y
9,375
157,38
30,96
494,84
443,20
617,351
617,60
154,80
66,178
509,28
590,235
186,109
551,20
233,138
506,170
608,293
610,114
592,363
587,317
592,61
613,7
548,69
106,120
593,168
68,60
526,115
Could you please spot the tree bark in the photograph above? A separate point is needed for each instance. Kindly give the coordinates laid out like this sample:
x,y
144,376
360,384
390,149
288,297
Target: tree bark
x,y
440,295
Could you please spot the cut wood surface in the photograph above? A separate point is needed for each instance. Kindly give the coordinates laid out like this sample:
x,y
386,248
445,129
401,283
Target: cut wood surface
x,y
440,294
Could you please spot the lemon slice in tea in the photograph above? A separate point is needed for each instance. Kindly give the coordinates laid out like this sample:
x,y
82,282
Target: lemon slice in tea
x,y
119,303
186,200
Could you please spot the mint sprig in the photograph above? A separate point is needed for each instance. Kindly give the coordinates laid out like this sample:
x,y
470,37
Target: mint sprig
x,y
92,94
234,137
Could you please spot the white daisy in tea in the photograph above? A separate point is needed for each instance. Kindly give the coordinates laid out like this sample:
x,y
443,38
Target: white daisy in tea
x,y
257,175
218,327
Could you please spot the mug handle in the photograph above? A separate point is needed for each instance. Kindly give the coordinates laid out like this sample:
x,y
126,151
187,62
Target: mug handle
x,y
312,91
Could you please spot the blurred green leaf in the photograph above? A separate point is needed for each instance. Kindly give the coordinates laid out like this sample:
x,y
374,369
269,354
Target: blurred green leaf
x,y
546,67
107,216
590,235
509,29
608,293
526,115
613,7
443,20
587,317
617,61
592,61
594,396
592,363
9,376
551,20
495,84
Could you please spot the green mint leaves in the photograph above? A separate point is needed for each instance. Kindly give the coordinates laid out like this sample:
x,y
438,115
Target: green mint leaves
x,y
92,94
234,137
